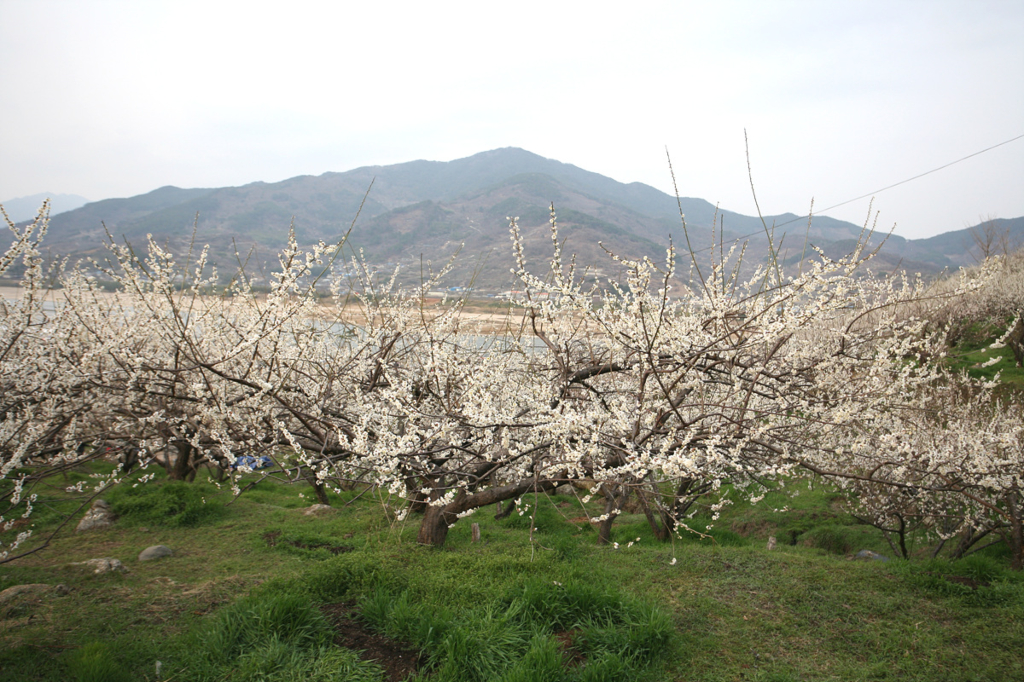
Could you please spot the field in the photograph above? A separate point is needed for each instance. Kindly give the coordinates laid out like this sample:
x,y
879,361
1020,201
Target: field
x,y
257,590
760,475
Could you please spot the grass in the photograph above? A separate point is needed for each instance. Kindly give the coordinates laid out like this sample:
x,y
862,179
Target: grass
x,y
174,504
973,351
241,597
522,634
271,636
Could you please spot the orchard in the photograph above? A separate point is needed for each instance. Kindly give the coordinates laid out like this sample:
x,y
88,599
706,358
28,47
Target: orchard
x,y
680,380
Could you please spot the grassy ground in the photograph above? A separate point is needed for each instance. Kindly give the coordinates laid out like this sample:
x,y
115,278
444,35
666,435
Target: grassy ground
x,y
974,350
256,590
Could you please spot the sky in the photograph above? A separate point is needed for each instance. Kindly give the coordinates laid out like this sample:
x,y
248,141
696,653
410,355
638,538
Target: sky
x,y
838,99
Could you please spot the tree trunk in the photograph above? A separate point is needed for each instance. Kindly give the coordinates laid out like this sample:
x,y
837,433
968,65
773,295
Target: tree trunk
x,y
902,535
503,513
436,519
433,528
182,466
1014,535
968,540
130,457
1014,538
1017,549
418,503
611,509
319,489
1015,340
686,495
661,531
604,531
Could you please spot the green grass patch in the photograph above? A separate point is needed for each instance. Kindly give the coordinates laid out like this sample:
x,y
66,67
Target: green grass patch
x,y
975,580
96,662
230,606
166,503
832,538
270,637
974,350
540,630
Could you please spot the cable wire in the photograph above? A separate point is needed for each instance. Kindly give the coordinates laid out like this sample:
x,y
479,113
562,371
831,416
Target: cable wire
x,y
879,191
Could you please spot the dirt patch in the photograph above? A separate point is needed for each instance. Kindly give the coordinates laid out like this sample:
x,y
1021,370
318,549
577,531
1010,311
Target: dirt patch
x,y
273,538
399,662
963,580
17,524
960,580
571,656
753,528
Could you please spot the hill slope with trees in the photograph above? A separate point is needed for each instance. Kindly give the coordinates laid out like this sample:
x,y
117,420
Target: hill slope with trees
x,y
427,210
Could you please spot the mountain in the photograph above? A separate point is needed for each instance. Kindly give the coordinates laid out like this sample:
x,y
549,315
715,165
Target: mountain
x,y
427,210
943,252
26,208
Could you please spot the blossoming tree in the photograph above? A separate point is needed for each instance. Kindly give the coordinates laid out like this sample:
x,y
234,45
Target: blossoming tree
x,y
650,386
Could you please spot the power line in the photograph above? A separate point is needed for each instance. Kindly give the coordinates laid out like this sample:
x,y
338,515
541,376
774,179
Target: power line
x,y
879,191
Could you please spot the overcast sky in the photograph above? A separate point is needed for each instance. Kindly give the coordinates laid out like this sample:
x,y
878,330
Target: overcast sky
x,y
113,99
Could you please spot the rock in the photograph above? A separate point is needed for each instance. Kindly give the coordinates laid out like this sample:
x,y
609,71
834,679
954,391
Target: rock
x,y
32,588
317,509
103,565
99,515
771,542
155,552
565,489
868,555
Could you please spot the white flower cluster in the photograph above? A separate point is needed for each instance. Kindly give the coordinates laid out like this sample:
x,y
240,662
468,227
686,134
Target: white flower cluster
x,y
825,371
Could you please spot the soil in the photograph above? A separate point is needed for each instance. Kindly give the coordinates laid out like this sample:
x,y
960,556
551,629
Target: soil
x,y
571,656
755,529
398,661
963,580
274,536
960,580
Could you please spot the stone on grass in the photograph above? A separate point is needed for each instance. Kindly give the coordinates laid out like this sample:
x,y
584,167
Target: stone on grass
x,y
12,592
102,565
317,509
155,552
868,555
100,515
564,489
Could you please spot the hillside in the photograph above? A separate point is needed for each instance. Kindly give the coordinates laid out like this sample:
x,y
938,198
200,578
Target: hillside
x,y
716,607
25,208
426,210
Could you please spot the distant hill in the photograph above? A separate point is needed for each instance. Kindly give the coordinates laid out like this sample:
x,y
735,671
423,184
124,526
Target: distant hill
x,y
26,208
946,251
426,210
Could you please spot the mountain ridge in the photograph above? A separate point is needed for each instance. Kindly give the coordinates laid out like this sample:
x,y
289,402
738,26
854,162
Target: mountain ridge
x,y
26,208
425,210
